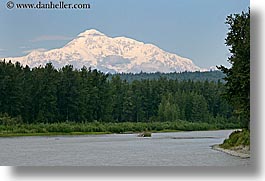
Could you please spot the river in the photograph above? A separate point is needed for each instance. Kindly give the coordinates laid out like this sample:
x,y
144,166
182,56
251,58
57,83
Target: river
x,y
162,149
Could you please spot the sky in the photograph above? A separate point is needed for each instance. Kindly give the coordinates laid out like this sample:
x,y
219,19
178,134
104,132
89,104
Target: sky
x,y
194,29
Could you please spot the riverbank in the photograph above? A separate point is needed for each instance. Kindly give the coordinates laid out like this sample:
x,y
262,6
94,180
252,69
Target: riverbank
x,y
68,128
238,144
239,151
77,133
52,134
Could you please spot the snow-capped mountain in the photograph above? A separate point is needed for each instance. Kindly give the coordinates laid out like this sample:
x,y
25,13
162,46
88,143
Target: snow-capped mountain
x,y
120,54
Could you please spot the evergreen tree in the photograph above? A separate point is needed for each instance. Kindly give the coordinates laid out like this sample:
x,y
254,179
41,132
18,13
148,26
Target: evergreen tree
x,y
11,93
199,110
168,110
46,94
128,104
238,76
68,94
26,111
117,98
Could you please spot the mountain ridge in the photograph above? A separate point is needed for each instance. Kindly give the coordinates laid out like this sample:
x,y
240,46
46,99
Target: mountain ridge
x,y
94,49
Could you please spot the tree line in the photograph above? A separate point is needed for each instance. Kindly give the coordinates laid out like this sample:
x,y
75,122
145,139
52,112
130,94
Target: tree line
x,y
212,75
47,95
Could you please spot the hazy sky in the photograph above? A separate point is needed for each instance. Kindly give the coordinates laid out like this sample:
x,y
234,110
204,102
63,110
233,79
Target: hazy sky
x,y
190,28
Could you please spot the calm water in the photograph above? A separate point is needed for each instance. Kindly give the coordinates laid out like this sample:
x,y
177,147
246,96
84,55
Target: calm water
x,y
163,149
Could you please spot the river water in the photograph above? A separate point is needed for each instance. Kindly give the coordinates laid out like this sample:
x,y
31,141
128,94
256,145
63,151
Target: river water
x,y
162,149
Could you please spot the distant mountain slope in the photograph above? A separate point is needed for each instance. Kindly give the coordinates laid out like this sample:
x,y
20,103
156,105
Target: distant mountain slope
x,y
115,55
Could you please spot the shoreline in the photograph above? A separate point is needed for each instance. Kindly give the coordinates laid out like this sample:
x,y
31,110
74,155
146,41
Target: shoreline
x,y
239,151
8,135
52,134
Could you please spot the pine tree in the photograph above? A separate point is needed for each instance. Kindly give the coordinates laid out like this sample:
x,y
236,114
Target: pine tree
x,y
11,93
117,98
68,94
238,76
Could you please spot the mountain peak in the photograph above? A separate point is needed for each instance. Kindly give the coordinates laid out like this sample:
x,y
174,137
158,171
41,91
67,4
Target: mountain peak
x,y
93,49
91,32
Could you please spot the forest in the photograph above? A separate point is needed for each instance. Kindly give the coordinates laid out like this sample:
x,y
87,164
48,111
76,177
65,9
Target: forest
x,y
195,76
47,96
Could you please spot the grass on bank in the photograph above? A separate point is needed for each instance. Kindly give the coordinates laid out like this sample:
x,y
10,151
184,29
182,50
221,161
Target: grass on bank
x,y
69,128
237,138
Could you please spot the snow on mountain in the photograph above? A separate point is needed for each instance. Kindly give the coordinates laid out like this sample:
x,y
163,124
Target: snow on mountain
x,y
120,54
